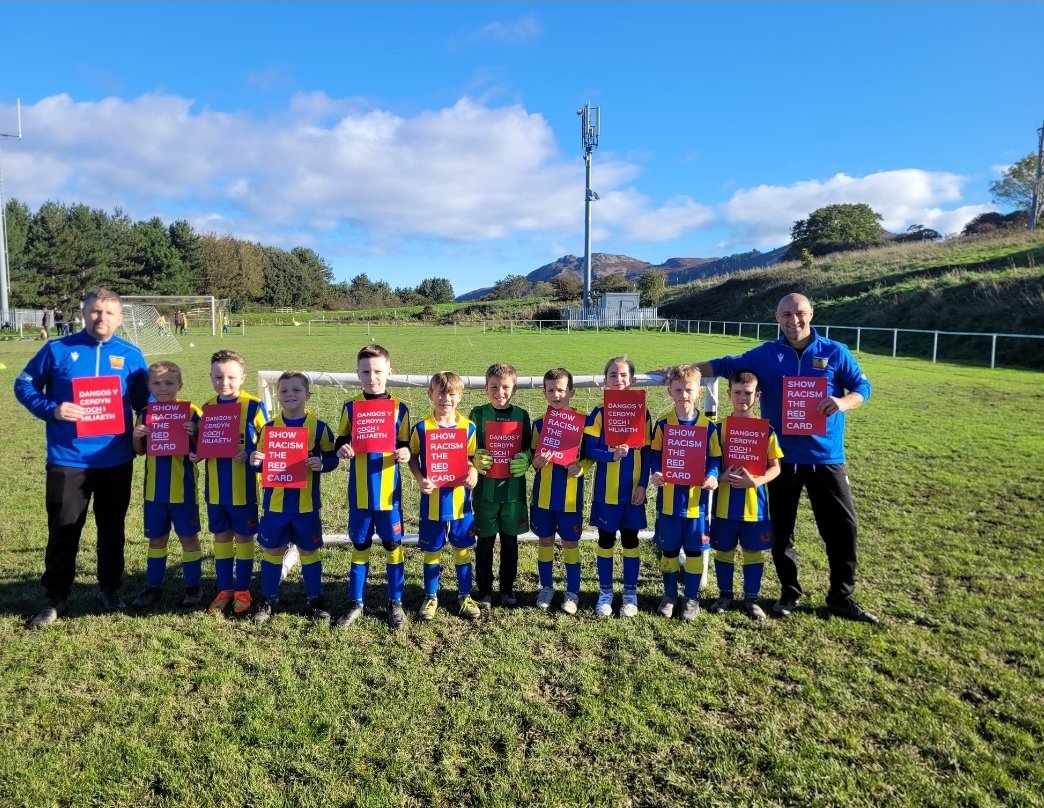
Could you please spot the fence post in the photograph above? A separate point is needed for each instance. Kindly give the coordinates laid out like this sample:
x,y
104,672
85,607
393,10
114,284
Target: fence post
x,y
859,336
935,346
993,351
895,340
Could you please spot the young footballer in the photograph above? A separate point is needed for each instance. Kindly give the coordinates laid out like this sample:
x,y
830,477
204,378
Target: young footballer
x,y
170,496
741,510
291,515
231,488
500,503
445,513
374,490
558,498
681,520
618,504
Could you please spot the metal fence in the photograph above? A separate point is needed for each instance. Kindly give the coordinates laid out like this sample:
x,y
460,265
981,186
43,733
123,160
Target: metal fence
x,y
18,320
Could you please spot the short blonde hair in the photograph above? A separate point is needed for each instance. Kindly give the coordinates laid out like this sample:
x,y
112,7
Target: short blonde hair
x,y
446,380
165,366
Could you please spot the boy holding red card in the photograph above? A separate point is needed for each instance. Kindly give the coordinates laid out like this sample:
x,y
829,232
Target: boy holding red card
x,y
374,436
558,489
296,447
741,509
230,482
504,434
621,475
441,450
685,470
164,433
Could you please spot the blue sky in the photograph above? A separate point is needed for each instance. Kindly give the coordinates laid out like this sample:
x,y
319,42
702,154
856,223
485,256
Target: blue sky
x,y
436,139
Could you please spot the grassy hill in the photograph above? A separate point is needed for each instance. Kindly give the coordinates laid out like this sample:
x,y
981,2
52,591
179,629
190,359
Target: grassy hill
x,y
989,283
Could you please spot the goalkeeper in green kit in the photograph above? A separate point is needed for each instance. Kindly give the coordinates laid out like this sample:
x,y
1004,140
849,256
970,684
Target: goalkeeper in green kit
x,y
499,501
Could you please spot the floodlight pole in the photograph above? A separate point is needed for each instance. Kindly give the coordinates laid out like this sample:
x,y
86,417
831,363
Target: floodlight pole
x,y
5,275
1035,206
590,128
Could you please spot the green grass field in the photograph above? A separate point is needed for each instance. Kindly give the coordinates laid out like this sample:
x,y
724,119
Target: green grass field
x,y
941,704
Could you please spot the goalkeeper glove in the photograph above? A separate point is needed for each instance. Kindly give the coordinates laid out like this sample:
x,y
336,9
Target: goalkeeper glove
x,y
482,461
519,465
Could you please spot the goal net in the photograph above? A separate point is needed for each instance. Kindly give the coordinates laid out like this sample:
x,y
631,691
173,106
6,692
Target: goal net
x,y
148,329
185,313
331,390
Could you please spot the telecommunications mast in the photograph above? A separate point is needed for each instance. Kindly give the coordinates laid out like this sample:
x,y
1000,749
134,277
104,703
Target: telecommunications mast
x,y
5,276
590,126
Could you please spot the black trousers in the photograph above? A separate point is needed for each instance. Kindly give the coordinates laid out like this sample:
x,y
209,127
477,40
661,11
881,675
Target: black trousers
x,y
69,492
484,562
831,499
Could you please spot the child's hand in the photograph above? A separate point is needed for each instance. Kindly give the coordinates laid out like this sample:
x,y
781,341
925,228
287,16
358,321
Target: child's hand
x,y
141,431
257,458
402,454
472,479
656,478
193,457
711,483
739,477
426,486
346,452
621,452
190,427
313,463
482,461
241,457
638,497
519,465
574,470
541,460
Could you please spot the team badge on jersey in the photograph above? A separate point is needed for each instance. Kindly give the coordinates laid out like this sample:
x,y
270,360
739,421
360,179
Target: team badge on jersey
x,y
819,363
116,362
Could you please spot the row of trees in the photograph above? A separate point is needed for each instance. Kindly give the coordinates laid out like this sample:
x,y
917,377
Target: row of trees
x,y
60,251
569,287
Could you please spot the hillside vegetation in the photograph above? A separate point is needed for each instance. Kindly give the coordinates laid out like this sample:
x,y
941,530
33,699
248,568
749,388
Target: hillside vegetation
x,y
991,283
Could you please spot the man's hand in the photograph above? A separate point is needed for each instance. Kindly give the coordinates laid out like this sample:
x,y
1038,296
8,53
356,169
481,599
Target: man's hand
x,y
67,411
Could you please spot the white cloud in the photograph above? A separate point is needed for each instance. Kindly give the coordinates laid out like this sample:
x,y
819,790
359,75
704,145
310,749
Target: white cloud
x,y
763,216
520,31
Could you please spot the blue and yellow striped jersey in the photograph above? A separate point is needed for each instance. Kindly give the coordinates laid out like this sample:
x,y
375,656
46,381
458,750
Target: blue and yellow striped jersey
x,y
321,441
615,481
553,488
688,501
744,504
170,478
445,504
374,479
226,481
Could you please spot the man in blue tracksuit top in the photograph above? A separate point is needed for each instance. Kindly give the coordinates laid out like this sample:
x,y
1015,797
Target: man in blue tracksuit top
x,y
815,462
81,467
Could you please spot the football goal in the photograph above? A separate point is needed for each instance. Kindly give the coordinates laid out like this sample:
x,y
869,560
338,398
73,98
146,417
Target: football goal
x,y
185,312
148,329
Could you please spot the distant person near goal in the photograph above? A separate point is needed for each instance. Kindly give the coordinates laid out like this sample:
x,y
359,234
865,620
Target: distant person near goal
x,y
815,462
82,467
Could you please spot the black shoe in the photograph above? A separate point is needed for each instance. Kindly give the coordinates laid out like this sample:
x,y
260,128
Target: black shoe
x,y
49,614
192,597
262,611
851,610
316,610
396,615
508,598
110,600
784,606
354,612
150,597
484,600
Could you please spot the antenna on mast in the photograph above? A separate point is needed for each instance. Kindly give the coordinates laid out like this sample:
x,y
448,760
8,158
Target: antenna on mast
x,y
590,129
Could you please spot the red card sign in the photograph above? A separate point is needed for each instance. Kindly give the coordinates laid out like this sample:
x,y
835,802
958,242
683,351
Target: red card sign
x,y
801,397
101,398
373,426
624,418
446,456
219,431
503,441
167,434
684,454
745,443
560,436
286,450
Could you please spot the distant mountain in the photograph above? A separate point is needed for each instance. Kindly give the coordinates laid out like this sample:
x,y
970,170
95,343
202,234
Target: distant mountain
x,y
677,270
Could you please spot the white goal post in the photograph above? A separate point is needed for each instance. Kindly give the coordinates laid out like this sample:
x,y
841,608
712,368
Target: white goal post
x,y
199,308
413,391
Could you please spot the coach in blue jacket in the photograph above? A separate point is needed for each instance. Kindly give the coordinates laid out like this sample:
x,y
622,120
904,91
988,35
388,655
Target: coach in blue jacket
x,y
81,468
816,463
